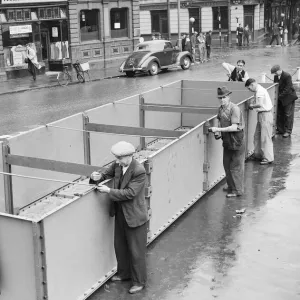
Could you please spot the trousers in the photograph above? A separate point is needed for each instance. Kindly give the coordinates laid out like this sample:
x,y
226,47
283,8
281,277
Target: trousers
x,y
201,51
208,51
234,166
275,37
130,247
263,144
285,117
32,69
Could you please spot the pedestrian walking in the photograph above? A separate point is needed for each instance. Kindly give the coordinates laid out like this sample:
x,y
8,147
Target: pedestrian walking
x,y
263,144
128,205
236,73
286,101
275,34
32,61
246,33
240,32
231,127
208,44
193,42
183,41
153,37
141,39
201,46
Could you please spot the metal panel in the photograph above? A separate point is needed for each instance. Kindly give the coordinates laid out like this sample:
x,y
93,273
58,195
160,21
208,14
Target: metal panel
x,y
172,165
48,143
2,194
124,112
169,94
79,246
17,259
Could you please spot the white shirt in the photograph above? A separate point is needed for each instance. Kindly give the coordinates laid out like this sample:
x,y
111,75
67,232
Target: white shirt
x,y
262,98
124,169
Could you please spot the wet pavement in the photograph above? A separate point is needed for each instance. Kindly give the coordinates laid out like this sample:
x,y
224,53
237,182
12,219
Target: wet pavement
x,y
211,253
23,111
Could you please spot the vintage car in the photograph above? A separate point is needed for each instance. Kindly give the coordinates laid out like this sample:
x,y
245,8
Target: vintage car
x,y
153,56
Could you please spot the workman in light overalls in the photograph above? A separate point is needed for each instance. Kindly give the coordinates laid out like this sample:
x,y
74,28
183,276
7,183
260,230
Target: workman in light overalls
x,y
231,127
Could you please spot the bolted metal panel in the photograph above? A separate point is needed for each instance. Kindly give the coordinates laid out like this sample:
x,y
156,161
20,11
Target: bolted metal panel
x,y
8,191
18,267
148,166
40,260
206,167
205,186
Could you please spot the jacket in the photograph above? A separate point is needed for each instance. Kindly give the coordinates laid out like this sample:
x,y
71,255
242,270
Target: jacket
x,y
235,76
208,40
287,93
131,194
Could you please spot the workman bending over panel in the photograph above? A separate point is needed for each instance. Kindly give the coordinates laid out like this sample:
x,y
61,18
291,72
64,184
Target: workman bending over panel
x,y
231,127
128,205
263,144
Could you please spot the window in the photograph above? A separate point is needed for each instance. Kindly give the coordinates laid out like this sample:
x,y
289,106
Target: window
x,y
159,21
89,25
119,22
168,45
224,17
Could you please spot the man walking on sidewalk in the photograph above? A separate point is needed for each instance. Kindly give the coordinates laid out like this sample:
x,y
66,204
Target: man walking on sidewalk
x,y
286,101
208,44
263,144
275,34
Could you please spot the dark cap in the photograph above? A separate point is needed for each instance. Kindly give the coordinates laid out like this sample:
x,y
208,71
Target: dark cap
x,y
223,91
275,69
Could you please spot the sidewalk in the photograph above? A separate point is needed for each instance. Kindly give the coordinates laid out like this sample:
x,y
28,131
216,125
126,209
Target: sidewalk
x,y
43,81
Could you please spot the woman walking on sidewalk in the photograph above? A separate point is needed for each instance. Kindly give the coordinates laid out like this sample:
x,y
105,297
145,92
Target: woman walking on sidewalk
x,y
33,64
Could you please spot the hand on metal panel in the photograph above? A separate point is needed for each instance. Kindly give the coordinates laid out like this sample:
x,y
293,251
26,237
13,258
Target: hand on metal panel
x,y
103,188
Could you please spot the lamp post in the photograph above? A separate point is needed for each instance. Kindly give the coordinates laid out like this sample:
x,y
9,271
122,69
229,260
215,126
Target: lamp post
x,y
219,19
192,20
237,32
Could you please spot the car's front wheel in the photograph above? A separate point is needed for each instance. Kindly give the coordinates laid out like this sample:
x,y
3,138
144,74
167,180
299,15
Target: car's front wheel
x,y
186,63
130,73
153,69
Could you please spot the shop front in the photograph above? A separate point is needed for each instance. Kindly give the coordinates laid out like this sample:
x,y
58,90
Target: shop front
x,y
44,27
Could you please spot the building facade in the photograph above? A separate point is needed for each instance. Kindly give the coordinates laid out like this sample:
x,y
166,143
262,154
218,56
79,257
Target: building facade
x,y
154,17
43,25
103,32
62,32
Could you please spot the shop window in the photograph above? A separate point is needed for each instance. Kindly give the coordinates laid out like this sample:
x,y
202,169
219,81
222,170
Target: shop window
x,y
224,17
41,13
159,21
56,12
119,22
19,15
11,15
48,13
89,25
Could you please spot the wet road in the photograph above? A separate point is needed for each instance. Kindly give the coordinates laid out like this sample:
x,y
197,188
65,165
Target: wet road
x,y
211,253
22,111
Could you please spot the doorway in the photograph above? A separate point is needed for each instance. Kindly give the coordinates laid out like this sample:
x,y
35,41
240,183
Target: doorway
x,y
45,44
249,18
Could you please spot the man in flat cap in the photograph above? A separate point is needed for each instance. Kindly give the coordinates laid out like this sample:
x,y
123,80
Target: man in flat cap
x,y
263,144
231,127
130,211
286,101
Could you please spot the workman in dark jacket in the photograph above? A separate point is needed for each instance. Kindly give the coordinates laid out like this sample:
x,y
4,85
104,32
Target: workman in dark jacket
x,y
231,127
130,210
286,101
236,73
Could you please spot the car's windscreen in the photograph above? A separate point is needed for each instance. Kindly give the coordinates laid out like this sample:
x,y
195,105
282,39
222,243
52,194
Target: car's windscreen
x,y
147,47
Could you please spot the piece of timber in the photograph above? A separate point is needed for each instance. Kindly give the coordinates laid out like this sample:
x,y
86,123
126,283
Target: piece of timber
x,y
51,165
180,109
138,131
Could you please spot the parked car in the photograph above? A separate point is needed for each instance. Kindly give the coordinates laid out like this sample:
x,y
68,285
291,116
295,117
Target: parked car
x,y
153,56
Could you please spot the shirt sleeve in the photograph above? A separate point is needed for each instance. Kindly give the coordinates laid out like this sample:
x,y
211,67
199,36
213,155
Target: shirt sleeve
x,y
235,115
259,98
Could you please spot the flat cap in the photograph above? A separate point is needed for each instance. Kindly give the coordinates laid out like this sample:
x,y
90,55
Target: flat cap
x,y
122,149
275,68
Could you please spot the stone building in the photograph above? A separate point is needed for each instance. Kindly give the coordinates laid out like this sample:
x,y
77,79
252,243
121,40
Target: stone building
x,y
62,32
154,18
